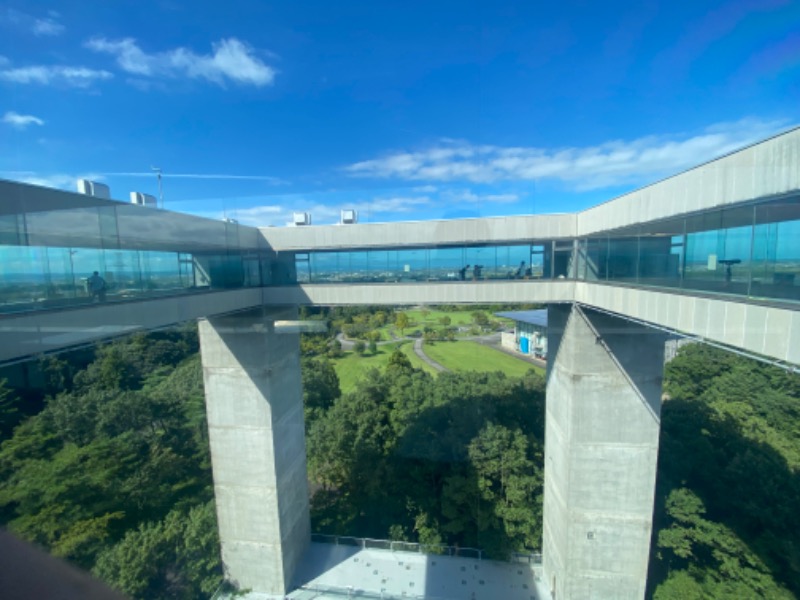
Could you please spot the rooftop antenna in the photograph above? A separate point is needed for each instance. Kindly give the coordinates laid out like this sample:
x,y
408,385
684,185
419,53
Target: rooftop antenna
x,y
157,171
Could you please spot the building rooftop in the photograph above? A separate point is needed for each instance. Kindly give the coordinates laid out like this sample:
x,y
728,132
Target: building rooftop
x,y
332,572
534,317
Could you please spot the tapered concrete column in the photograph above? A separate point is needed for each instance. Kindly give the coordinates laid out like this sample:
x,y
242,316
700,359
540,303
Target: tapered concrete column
x,y
601,448
251,370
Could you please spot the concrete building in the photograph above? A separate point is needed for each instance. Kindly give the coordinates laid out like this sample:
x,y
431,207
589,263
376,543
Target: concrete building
x,y
712,253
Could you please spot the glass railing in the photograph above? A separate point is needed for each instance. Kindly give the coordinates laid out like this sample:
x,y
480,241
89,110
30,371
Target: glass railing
x,y
750,251
36,278
59,249
463,263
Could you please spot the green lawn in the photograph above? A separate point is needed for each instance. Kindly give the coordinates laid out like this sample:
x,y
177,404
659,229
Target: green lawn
x,y
351,366
471,356
461,317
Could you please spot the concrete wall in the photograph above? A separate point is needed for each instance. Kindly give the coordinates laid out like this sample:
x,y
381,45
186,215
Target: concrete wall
x,y
32,333
254,403
521,228
482,292
768,169
767,330
773,332
601,449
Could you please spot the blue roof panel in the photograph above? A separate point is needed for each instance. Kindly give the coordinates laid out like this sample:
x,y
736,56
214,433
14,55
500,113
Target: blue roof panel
x,y
534,317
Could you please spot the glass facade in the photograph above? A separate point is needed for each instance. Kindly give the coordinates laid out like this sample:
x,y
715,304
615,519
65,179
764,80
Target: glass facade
x,y
461,263
751,251
48,257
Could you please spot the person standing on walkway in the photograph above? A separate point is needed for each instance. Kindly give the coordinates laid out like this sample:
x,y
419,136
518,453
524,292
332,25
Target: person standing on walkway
x,y
97,287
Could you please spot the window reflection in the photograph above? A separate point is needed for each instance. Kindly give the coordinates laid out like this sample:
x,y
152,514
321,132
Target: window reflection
x,y
751,250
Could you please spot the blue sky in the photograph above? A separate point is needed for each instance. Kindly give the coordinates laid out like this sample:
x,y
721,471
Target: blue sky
x,y
403,110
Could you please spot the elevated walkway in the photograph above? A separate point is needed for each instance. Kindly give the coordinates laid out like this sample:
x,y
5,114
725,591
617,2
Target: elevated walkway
x,y
712,253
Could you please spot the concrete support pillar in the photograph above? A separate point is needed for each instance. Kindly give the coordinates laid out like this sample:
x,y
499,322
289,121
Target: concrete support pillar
x,y
254,402
601,448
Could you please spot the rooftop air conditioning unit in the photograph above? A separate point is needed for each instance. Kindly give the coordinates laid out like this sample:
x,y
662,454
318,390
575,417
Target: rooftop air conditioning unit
x,y
92,188
349,216
145,200
302,218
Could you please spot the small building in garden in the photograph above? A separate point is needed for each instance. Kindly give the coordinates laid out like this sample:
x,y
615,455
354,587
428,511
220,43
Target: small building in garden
x,y
530,332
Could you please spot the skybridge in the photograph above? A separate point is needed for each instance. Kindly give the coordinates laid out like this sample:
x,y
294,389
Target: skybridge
x,y
712,253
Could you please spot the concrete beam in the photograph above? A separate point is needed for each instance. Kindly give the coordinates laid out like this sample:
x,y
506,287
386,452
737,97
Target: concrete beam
x,y
27,334
254,403
771,331
461,292
601,448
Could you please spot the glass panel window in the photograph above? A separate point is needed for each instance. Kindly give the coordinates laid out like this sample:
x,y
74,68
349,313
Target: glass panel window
x,y
776,251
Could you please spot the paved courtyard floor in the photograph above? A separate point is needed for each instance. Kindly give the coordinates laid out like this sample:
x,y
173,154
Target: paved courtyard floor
x,y
331,572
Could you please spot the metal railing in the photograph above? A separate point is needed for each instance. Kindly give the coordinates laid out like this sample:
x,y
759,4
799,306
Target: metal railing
x,y
398,546
533,558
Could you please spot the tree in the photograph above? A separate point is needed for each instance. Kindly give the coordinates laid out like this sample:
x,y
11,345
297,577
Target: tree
x,y
401,322
445,321
174,558
480,319
9,413
336,349
320,387
379,319
373,347
115,455
360,347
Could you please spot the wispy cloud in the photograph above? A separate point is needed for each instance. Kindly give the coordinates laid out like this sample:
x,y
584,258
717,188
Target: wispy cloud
x,y
46,75
281,213
45,26
230,60
62,181
19,121
611,163
472,198
222,176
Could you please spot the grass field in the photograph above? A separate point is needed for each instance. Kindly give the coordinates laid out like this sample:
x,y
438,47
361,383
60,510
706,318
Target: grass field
x,y
459,318
351,366
471,356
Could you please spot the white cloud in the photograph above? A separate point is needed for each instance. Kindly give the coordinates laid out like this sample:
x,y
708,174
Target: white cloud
x,y
21,121
47,26
46,75
231,59
473,198
281,213
607,164
220,176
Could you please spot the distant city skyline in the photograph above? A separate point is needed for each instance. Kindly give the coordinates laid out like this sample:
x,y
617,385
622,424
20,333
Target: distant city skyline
x,y
403,111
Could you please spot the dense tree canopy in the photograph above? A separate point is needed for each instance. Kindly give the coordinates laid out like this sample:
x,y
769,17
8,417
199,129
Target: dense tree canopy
x,y
728,485
454,459
114,473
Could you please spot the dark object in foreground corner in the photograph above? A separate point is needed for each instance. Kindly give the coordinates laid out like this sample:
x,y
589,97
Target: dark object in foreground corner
x,y
29,572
